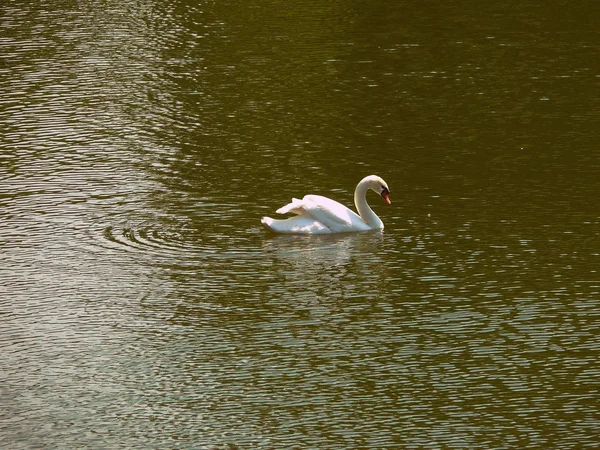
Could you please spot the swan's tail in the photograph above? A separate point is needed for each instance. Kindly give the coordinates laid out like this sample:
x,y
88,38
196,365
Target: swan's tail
x,y
278,226
267,222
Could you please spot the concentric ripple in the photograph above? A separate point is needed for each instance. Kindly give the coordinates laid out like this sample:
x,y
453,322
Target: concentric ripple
x,y
148,240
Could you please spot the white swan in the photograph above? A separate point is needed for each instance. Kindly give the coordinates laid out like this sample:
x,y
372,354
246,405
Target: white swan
x,y
320,215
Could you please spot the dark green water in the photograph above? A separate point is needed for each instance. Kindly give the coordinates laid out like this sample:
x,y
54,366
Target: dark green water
x,y
142,304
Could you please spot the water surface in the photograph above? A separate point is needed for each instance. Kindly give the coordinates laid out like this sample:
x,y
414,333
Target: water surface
x,y
142,304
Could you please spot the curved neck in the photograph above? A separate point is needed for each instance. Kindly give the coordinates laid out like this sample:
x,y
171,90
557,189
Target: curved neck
x,y
364,210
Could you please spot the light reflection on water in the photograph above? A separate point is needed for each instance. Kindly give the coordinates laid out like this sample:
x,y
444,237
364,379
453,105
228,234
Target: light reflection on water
x,y
144,306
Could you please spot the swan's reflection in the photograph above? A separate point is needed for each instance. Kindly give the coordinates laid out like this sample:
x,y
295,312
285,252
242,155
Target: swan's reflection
x,y
325,269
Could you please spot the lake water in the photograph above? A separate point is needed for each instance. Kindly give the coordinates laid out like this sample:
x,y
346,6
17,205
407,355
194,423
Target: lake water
x,y
143,305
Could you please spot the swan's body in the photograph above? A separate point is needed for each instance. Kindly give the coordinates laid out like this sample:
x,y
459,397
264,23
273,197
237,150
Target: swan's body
x,y
320,215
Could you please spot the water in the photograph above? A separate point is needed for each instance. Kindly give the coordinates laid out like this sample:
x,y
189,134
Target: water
x,y
143,306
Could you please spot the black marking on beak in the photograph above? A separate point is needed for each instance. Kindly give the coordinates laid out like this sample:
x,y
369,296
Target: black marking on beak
x,y
385,193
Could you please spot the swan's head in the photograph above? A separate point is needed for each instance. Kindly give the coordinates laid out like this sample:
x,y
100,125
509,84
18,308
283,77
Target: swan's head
x,y
377,184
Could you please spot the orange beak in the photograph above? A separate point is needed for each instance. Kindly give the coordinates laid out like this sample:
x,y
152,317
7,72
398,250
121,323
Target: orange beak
x,y
386,196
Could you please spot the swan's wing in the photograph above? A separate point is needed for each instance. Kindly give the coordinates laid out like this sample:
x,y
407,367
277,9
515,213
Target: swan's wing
x,y
296,207
302,224
331,214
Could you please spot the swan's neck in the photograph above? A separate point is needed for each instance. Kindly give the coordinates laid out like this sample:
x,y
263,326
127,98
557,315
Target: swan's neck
x,y
364,210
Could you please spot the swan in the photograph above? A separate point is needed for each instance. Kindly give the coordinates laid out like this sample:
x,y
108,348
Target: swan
x,y
315,214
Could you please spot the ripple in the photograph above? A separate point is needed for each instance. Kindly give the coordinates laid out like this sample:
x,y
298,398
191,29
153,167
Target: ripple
x,y
148,240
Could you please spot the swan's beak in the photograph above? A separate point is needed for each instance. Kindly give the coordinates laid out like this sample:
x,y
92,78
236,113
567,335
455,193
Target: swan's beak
x,y
386,196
